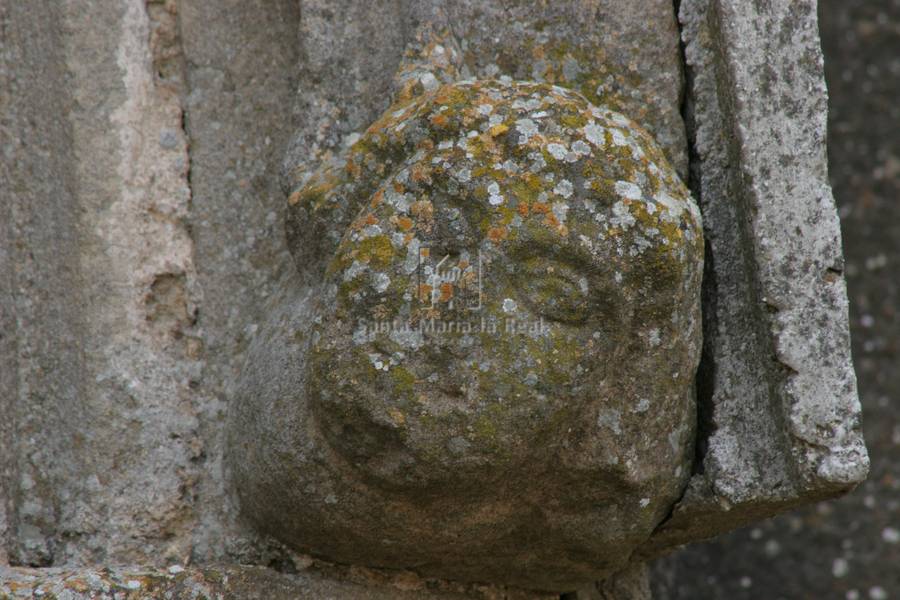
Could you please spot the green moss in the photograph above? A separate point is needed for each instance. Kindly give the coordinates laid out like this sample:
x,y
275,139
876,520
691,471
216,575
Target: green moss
x,y
574,121
404,381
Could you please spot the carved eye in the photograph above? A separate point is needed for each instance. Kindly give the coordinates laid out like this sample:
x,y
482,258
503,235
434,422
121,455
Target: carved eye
x,y
555,291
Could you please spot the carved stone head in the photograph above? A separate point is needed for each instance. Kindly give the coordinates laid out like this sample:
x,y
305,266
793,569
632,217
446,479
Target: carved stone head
x,y
490,375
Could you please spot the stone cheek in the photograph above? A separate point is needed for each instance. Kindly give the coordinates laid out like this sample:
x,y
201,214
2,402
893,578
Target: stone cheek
x,y
495,373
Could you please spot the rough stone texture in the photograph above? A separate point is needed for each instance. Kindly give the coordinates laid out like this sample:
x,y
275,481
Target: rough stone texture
x,y
240,69
391,419
224,583
103,284
848,548
134,277
777,397
624,54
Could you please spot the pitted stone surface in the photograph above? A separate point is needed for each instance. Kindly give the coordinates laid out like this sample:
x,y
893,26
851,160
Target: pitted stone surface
x,y
778,399
496,344
227,582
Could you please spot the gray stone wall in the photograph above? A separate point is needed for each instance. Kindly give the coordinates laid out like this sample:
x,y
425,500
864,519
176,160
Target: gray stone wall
x,y
849,548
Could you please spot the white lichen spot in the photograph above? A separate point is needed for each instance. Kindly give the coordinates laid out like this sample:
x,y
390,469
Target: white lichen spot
x,y
564,188
557,151
595,134
485,109
411,263
581,149
381,282
586,242
495,197
362,335
376,361
622,217
611,419
354,270
464,175
429,82
618,138
642,406
133,584
560,210
673,207
510,166
527,128
619,119
645,502
653,337
675,439
628,190
370,231
509,305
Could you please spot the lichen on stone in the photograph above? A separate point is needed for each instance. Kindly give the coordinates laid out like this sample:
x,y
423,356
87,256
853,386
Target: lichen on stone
x,y
505,274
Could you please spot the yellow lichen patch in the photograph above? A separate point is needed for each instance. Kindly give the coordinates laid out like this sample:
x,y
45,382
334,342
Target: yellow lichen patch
x,y
404,223
553,223
451,95
540,208
497,234
575,121
423,211
425,292
354,170
446,292
420,173
498,130
439,120
376,251
507,214
397,417
77,585
313,194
